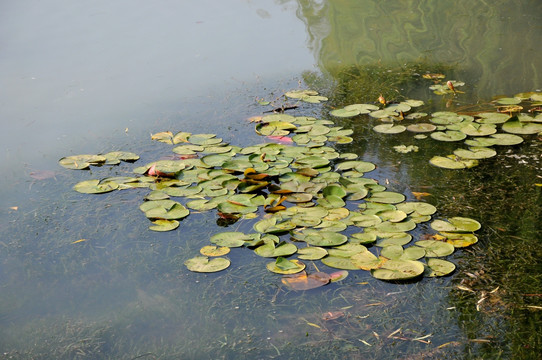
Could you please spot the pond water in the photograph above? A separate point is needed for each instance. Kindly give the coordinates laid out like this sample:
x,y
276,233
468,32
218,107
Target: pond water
x,y
89,78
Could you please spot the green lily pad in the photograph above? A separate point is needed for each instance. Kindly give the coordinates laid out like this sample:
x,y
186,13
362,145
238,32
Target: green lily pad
x,y
164,209
387,197
164,225
393,239
213,250
460,240
522,128
115,157
363,238
439,267
272,250
206,265
285,266
311,253
452,162
508,101
389,128
476,129
396,227
358,165
506,139
435,248
456,224
475,153
346,250
81,162
230,239
393,270
366,260
418,207
325,238
95,186
396,252
492,118
449,135
339,262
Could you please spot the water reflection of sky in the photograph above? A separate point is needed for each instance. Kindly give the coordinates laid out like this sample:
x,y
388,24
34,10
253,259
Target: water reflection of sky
x,y
72,68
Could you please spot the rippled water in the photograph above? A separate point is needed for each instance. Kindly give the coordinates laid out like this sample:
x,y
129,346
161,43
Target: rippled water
x,y
82,77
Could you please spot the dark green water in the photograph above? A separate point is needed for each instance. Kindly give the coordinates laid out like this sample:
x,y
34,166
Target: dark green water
x,y
125,293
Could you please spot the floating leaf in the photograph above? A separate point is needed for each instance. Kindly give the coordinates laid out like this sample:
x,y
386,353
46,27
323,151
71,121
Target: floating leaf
x,y
338,275
230,239
311,253
270,250
204,264
435,248
81,162
302,281
456,224
475,153
367,261
325,238
419,207
95,186
452,162
212,250
387,197
164,209
339,262
398,270
164,225
449,135
285,266
439,267
522,128
389,128
460,240
115,157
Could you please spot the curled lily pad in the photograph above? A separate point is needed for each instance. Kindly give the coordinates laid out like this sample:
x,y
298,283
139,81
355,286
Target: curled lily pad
x,y
439,267
398,270
204,264
95,186
456,224
285,266
435,248
338,275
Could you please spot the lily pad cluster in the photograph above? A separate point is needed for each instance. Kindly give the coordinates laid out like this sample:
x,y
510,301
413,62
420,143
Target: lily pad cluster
x,y
480,132
308,203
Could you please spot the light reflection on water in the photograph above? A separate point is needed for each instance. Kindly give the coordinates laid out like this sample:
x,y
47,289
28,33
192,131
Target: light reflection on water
x,y
151,68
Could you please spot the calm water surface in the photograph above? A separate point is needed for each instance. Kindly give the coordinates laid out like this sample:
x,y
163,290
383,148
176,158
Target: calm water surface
x,y
80,77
